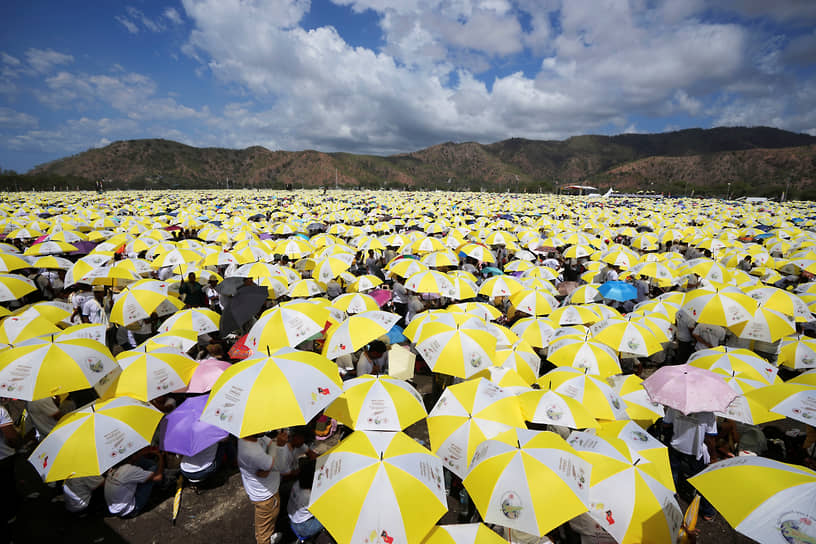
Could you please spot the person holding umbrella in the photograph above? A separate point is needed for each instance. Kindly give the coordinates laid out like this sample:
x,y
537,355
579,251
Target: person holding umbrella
x,y
261,478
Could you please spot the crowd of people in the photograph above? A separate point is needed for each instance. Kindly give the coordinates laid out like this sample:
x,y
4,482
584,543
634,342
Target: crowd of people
x,y
555,247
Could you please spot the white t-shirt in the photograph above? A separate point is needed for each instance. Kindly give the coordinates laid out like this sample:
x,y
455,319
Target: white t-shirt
x,y
685,324
712,334
5,420
120,488
688,432
41,413
200,461
94,311
297,508
252,457
77,492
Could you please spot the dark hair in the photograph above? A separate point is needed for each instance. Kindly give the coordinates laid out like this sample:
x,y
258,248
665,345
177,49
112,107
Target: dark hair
x,y
306,475
377,346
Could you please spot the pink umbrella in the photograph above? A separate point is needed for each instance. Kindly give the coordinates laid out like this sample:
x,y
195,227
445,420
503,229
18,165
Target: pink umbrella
x,y
205,375
689,389
381,295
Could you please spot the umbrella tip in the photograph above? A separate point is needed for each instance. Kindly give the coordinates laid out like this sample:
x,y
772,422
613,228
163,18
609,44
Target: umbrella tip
x,y
636,462
268,352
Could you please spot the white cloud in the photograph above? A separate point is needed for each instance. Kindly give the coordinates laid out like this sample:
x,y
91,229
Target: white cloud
x,y
10,119
147,22
172,15
44,60
127,23
9,60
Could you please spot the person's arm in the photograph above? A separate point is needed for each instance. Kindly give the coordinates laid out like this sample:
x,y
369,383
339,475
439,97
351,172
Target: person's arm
x,y
159,474
10,435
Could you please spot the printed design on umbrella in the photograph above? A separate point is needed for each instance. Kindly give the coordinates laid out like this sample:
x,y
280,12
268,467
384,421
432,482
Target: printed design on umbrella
x,y
453,456
511,505
321,391
95,365
797,527
554,412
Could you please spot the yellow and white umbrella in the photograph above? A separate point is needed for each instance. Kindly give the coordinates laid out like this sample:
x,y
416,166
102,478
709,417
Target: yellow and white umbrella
x,y
533,302
537,331
306,288
794,400
15,286
626,335
529,481
200,320
18,328
626,495
798,351
147,375
551,408
355,303
431,281
639,407
596,358
262,393
765,325
377,403
766,500
456,351
287,325
391,488
92,439
522,358
782,301
574,314
463,533
724,307
730,361
356,331
596,396
134,305
500,286
49,248
45,367
466,415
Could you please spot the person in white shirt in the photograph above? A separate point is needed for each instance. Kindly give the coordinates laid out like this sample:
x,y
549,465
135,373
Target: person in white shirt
x,y
708,336
373,359
303,522
261,478
685,325
612,274
692,448
196,468
128,485
93,309
79,492
9,440
44,415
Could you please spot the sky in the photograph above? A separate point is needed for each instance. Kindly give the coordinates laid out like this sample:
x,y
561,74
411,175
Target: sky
x,y
393,76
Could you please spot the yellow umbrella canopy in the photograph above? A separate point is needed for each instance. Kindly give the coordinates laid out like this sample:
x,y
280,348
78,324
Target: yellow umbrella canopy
x,y
763,499
463,533
45,367
377,403
92,439
467,414
529,481
263,393
391,488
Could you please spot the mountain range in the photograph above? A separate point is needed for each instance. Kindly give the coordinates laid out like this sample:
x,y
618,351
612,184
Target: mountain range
x,y
719,161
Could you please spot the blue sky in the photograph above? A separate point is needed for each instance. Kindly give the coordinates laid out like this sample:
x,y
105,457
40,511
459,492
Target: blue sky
x,y
391,76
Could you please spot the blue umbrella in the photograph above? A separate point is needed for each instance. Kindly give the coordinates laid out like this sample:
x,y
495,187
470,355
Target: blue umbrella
x,y
185,434
618,290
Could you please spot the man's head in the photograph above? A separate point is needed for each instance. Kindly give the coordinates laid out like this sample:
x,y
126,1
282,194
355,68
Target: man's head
x,y
297,436
191,277
375,349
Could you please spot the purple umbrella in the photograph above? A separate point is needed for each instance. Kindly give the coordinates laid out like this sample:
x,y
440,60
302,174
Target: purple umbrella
x,y
185,434
83,247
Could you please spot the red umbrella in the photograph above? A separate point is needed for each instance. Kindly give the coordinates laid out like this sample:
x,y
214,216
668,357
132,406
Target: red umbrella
x,y
240,350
